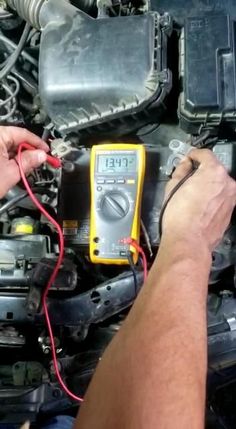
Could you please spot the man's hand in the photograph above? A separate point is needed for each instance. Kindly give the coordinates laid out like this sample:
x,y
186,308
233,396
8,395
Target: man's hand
x,y
201,209
163,341
10,138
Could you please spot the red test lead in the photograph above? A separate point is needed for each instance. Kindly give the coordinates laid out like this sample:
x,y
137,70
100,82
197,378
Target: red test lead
x,y
51,160
56,269
140,250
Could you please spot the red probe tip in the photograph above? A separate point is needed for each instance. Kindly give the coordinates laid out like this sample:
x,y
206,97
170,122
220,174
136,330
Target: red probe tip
x,y
51,160
54,162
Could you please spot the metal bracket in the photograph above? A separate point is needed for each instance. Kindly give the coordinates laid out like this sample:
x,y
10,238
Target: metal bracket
x,y
232,323
60,148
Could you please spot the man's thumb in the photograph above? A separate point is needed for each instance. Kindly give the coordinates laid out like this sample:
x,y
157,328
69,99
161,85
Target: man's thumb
x,y
32,159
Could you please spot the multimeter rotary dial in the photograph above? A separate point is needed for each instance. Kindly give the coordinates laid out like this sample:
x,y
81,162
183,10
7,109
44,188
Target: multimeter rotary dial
x,y
114,205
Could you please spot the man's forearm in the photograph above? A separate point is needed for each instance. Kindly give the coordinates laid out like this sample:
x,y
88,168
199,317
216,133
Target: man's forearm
x,y
154,370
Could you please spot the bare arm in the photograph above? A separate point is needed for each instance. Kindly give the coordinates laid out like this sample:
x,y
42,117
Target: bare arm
x,y
153,373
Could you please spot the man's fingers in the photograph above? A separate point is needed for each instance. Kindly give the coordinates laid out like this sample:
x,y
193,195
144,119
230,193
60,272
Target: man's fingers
x,y
32,159
183,168
10,172
232,185
11,137
204,157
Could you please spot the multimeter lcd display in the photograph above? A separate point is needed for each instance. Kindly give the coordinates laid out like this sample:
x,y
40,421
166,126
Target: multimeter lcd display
x,y
117,163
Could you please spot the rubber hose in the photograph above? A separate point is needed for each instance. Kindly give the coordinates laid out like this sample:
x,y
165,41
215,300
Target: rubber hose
x,y
11,61
29,10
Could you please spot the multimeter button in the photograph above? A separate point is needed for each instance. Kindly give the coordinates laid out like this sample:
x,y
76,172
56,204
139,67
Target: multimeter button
x,y
99,188
110,181
122,253
114,205
120,181
100,181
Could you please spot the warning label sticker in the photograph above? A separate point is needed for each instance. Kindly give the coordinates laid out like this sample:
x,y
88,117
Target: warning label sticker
x,y
70,224
70,227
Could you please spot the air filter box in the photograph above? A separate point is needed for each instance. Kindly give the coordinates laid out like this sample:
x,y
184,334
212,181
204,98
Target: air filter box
x,y
208,73
95,71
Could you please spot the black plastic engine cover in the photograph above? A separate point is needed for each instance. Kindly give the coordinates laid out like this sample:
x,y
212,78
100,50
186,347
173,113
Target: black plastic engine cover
x,y
208,72
93,71
181,9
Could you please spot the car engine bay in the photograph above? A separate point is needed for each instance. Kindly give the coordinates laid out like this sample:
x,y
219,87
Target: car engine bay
x,y
81,73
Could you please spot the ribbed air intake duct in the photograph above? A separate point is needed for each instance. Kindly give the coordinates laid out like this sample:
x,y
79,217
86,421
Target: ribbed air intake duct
x,y
29,10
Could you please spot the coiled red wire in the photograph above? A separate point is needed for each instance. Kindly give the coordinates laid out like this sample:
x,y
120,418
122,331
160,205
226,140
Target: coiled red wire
x,y
52,279
54,273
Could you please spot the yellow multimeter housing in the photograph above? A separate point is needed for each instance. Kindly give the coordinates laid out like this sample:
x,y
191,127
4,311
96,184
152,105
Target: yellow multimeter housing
x,y
116,179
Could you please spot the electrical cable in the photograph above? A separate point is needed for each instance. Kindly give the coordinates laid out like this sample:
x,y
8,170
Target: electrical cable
x,y
54,274
170,196
9,205
210,143
13,47
10,103
10,111
147,238
11,61
7,89
132,267
9,114
139,249
200,139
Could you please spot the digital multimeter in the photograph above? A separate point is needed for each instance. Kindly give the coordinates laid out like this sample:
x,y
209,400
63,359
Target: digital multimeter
x,y
116,179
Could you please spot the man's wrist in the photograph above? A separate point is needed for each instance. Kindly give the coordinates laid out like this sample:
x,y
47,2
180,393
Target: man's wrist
x,y
183,264
192,248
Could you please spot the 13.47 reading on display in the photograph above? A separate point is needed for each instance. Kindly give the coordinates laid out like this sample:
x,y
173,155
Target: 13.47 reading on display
x,y
117,163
